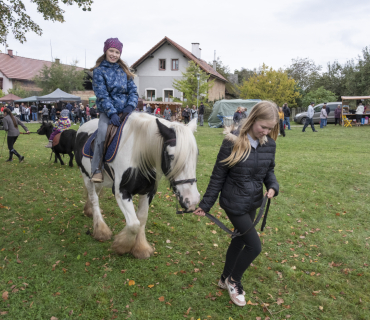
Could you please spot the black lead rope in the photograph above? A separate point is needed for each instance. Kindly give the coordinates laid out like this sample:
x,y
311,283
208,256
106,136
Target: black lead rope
x,y
236,233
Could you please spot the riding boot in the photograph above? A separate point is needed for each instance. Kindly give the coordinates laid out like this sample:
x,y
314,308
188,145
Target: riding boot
x,y
10,157
21,158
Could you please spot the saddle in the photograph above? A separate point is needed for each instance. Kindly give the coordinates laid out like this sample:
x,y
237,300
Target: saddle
x,y
112,139
56,139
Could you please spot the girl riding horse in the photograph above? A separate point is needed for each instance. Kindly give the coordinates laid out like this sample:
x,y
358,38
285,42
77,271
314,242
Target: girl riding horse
x,y
115,93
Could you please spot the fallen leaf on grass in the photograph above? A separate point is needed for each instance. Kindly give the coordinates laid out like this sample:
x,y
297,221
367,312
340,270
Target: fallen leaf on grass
x,y
151,286
279,301
131,282
87,264
56,294
187,312
3,313
5,295
321,308
53,318
161,298
251,303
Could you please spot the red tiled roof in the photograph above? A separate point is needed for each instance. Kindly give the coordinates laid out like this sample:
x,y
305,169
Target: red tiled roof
x,y
21,68
10,97
204,65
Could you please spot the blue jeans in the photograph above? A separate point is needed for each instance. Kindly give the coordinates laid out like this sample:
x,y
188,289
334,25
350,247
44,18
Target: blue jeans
x,y
287,122
26,118
96,162
53,118
323,123
34,116
83,121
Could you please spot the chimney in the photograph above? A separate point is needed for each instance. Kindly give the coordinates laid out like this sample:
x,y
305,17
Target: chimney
x,y
214,62
195,50
57,60
10,52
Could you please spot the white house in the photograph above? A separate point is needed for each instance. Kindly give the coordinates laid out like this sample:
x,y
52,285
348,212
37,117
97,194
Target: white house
x,y
164,63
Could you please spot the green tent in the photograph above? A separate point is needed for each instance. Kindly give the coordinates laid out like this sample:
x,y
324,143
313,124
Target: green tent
x,y
92,101
226,108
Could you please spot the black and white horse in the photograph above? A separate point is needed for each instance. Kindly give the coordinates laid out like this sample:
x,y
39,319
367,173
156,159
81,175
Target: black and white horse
x,y
149,148
66,142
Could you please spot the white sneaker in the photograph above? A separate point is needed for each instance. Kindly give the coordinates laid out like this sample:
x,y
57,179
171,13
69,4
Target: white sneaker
x,y
236,292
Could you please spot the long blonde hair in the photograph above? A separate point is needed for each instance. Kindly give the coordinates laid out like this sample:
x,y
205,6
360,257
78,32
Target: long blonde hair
x,y
264,110
122,64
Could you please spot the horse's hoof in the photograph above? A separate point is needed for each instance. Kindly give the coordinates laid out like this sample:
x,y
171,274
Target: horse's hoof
x,y
102,232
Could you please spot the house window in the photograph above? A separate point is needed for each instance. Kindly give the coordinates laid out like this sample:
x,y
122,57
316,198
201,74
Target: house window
x,y
150,95
162,64
168,95
175,64
1,83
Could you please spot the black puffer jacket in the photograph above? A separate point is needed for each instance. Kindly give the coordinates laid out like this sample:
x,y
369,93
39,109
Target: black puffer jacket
x,y
241,186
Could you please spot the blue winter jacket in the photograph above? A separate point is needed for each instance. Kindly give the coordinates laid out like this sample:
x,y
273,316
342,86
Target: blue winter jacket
x,y
114,92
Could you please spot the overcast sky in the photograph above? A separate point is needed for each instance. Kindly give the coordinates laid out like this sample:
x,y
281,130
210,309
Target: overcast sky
x,y
244,33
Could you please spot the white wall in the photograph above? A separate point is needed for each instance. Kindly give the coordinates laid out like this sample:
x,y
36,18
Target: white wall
x,y
149,75
7,83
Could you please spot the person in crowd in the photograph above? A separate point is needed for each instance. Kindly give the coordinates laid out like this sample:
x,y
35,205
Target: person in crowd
x,y
27,114
338,114
82,115
74,113
22,111
53,113
286,111
11,124
238,115
323,117
157,111
149,109
10,107
239,174
359,113
167,113
186,114
309,120
78,114
115,92
245,113
16,110
34,111
62,124
93,112
87,109
281,122
69,107
45,114
327,110
201,114
194,113
2,109
144,108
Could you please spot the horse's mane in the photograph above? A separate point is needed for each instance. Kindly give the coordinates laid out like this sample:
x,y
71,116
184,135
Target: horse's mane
x,y
148,145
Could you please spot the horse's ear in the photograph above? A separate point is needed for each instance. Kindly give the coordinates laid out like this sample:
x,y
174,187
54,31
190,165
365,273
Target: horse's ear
x,y
193,125
166,132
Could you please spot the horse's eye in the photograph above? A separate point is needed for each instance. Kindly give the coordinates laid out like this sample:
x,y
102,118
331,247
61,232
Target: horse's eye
x,y
172,157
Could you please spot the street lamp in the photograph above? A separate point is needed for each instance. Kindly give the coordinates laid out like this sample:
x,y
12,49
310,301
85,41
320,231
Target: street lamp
x,y
198,78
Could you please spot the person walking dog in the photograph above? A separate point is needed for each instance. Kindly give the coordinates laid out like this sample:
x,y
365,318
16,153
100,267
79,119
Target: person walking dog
x,y
115,92
245,162
309,120
11,124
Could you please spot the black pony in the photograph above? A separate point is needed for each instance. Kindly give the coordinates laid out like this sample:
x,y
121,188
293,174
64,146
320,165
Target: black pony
x,y
66,143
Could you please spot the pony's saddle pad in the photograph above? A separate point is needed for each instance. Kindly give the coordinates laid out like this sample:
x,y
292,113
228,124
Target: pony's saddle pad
x,y
112,140
56,139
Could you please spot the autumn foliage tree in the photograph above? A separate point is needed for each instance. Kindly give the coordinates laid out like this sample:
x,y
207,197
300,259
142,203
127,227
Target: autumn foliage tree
x,y
15,19
269,84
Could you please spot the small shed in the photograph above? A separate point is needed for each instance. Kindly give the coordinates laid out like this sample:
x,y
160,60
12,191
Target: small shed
x,y
345,106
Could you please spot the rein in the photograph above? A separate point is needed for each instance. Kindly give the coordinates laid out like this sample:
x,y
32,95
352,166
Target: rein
x,y
26,132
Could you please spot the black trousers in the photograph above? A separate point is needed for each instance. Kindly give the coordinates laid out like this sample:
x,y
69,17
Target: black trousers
x,y
244,249
11,141
337,120
309,121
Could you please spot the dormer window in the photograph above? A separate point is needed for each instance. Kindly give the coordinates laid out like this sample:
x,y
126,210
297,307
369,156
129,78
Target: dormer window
x,y
175,64
162,64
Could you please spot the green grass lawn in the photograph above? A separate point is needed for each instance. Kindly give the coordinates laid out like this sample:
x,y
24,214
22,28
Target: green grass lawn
x,y
313,265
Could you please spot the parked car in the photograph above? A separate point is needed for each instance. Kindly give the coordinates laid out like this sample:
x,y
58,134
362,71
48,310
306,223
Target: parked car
x,y
301,117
